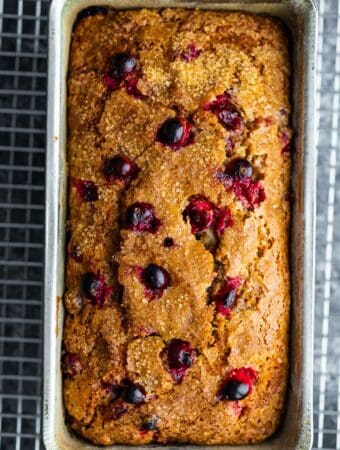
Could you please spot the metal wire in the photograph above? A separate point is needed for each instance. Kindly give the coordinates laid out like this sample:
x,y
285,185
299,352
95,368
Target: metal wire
x,y
23,49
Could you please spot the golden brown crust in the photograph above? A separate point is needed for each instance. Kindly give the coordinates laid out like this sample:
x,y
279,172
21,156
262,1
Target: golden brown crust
x,y
127,336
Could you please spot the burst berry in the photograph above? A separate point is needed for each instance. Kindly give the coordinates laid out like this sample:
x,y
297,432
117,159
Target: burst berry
x,y
121,65
133,393
226,297
94,288
87,190
180,356
190,53
71,364
238,384
175,133
119,168
242,168
141,217
200,213
226,112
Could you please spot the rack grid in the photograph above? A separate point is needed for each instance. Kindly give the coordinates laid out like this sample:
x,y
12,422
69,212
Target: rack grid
x,y
23,69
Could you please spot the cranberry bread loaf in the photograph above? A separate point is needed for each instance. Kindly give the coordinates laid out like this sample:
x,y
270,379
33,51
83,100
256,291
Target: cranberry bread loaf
x,y
177,281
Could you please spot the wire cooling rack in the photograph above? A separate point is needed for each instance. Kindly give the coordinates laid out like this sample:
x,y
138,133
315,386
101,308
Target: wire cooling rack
x,y
23,65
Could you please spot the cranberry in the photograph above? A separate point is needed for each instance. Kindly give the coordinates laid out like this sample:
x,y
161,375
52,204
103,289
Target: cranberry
x,y
238,385
87,190
133,393
132,89
204,215
150,423
141,217
119,168
180,356
71,364
168,242
242,168
229,147
190,53
156,277
95,288
226,297
200,212
175,133
121,65
227,113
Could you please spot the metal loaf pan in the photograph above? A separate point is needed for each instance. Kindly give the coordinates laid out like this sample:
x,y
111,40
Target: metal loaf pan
x,y
301,18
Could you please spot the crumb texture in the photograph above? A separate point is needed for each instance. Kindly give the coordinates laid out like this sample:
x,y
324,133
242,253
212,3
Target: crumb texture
x,y
177,280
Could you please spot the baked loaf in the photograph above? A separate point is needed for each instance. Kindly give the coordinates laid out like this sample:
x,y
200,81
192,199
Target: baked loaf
x,y
177,281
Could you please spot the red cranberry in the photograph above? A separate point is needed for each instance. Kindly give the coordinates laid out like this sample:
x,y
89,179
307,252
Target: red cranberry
x,y
141,217
227,113
223,220
133,393
226,297
242,168
95,288
71,364
180,356
119,168
156,277
200,212
175,133
168,242
238,385
87,190
190,53
121,65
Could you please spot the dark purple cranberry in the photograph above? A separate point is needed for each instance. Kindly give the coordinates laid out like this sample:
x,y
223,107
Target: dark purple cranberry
x,y
226,297
230,118
141,217
119,168
150,423
71,364
168,242
200,212
242,169
234,390
87,190
156,277
175,133
95,288
133,392
121,65
180,354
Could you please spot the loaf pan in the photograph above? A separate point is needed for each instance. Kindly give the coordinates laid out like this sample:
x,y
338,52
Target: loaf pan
x,y
300,16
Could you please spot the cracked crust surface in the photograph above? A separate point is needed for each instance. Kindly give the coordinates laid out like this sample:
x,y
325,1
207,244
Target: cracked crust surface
x,y
239,53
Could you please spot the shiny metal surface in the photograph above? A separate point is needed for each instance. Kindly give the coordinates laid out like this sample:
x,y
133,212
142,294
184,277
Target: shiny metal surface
x,y
301,18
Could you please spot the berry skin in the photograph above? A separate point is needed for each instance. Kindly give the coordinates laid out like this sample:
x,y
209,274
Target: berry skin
x,y
87,190
242,169
133,392
141,217
238,384
180,356
121,65
119,168
156,277
200,213
71,365
190,53
226,112
95,288
175,133
226,297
